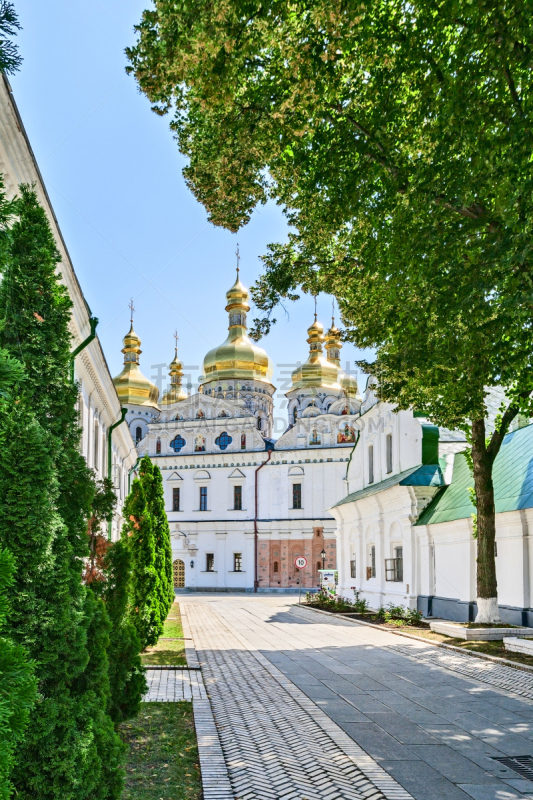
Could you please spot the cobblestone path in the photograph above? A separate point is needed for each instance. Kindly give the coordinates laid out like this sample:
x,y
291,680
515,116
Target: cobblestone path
x,y
276,742
174,686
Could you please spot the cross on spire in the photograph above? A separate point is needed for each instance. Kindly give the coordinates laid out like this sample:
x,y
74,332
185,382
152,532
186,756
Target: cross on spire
x,y
237,253
315,307
333,312
132,309
176,338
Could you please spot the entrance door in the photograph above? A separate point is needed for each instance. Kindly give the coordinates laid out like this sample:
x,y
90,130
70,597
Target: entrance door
x,y
178,569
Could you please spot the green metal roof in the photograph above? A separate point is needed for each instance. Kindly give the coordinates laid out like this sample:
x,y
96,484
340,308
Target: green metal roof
x,y
512,477
425,475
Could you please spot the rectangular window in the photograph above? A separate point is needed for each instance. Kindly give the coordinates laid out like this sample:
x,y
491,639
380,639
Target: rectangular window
x,y
237,498
209,562
296,495
203,498
371,568
353,571
394,566
389,452
175,499
237,562
371,463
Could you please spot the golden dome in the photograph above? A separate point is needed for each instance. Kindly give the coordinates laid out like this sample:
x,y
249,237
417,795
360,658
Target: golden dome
x,y
131,385
238,358
176,392
334,344
317,371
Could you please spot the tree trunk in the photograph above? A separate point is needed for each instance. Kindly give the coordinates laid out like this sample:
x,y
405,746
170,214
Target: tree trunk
x,y
487,588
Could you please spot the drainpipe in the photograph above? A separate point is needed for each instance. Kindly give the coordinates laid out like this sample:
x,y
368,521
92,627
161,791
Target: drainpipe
x,y
123,412
93,323
130,471
256,546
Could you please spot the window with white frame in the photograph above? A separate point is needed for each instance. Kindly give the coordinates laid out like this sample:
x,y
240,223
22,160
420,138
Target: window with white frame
x,y
394,565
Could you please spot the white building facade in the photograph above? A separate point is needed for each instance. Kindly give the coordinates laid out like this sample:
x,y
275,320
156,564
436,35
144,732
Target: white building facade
x,y
241,506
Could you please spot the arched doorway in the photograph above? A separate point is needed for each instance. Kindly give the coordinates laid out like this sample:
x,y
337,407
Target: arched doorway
x,y
178,570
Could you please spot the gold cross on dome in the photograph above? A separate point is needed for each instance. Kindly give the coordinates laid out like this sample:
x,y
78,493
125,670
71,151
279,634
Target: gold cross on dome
x,y
176,339
237,253
315,307
132,309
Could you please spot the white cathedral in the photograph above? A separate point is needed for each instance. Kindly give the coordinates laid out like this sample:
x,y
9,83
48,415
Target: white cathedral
x,y
241,506
352,483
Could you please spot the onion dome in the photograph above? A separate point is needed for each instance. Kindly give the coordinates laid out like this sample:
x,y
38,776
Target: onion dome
x,y
334,344
345,405
317,371
131,385
176,392
238,358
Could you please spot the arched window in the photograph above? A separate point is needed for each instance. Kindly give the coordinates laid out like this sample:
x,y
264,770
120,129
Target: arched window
x,y
243,441
276,567
223,440
294,415
138,433
258,423
177,443
158,446
223,414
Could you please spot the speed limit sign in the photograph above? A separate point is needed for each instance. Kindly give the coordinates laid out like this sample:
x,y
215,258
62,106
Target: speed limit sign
x,y
300,562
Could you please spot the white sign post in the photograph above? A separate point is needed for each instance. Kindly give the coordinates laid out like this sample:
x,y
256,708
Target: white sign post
x,y
300,563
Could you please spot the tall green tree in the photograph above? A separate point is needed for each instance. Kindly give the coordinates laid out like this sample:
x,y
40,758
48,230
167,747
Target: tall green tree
x,y
10,60
163,547
397,138
71,749
139,532
18,685
126,673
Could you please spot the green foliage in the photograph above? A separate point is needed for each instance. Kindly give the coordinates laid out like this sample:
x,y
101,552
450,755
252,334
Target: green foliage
x,y
10,60
70,749
139,530
126,674
399,615
327,602
18,685
397,138
163,547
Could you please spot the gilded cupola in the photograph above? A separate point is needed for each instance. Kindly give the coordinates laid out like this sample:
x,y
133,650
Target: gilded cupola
x,y
175,392
317,371
131,385
238,358
334,344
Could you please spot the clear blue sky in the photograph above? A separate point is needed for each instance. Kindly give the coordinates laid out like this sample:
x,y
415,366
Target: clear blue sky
x,y
133,229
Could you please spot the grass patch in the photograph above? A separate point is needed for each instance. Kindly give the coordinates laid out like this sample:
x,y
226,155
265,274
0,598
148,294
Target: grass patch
x,y
163,757
172,627
167,651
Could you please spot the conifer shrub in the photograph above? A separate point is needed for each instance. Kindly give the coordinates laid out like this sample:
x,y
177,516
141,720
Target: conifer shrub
x,y
71,750
126,673
139,533
163,548
17,686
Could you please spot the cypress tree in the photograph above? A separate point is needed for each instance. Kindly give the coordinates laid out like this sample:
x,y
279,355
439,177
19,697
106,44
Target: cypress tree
x,y
71,749
17,685
139,531
163,547
126,673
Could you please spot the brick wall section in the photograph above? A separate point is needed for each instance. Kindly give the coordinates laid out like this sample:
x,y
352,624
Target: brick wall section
x,y
276,560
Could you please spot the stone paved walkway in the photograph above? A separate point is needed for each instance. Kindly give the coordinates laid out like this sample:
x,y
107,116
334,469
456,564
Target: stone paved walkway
x,y
292,691
174,686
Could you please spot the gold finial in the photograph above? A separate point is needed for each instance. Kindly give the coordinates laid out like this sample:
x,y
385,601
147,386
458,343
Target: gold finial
x,y
132,309
315,307
333,312
176,339
238,258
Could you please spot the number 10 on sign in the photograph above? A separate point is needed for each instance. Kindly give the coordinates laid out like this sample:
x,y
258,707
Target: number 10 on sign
x,y
300,563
